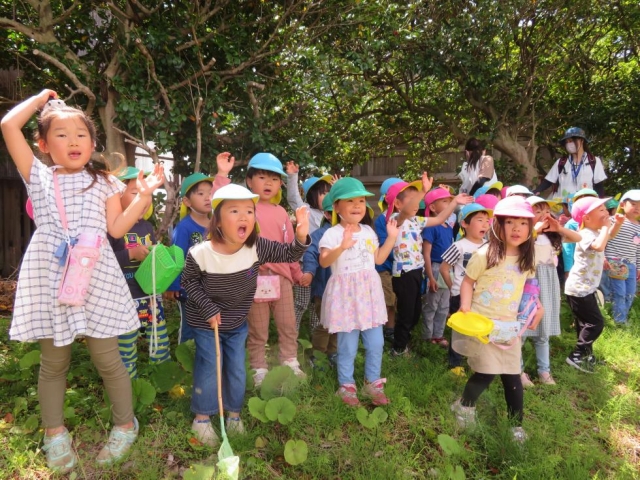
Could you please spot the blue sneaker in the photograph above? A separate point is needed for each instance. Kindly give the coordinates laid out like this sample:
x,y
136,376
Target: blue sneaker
x,y
60,455
118,445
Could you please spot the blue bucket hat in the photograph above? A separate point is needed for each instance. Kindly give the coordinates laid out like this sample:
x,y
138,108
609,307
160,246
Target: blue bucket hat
x,y
310,182
384,188
270,163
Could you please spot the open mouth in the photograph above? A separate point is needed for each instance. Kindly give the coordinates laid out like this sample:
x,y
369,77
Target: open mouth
x,y
242,232
74,155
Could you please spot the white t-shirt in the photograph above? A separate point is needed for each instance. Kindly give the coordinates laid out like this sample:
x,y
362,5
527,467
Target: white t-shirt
x,y
584,276
576,177
357,258
458,255
470,176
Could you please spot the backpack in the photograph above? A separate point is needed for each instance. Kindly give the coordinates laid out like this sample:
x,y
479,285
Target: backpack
x,y
563,161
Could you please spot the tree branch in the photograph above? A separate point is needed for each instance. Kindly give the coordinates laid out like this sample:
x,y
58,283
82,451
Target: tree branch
x,y
152,70
76,81
252,97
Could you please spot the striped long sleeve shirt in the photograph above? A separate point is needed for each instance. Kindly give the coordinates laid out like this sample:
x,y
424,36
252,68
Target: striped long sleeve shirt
x,y
226,284
626,244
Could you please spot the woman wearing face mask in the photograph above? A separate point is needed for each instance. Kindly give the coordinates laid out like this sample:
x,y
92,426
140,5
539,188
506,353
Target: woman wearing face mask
x,y
575,171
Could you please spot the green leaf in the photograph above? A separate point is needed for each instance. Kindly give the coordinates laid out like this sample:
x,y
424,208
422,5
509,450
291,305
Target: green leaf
x,y
261,442
167,375
278,382
19,405
379,415
449,445
30,359
69,412
256,409
185,354
305,344
200,472
31,424
295,452
365,419
458,473
143,391
281,409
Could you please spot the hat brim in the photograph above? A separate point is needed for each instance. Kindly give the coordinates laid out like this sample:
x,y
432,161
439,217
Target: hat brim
x,y
335,219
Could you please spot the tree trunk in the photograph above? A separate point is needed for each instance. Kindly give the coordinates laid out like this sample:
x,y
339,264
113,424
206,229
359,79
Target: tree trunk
x,y
507,142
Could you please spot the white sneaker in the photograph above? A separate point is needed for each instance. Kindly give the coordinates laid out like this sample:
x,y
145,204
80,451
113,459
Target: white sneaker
x,y
258,377
205,433
519,435
234,426
526,381
295,366
465,416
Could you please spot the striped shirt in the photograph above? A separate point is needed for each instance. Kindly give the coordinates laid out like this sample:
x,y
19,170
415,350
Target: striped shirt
x,y
226,284
626,244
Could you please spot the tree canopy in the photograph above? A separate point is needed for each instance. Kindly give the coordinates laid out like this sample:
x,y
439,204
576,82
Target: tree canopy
x,y
331,83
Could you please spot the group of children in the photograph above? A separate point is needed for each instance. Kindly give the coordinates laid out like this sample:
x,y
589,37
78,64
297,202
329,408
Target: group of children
x,y
365,279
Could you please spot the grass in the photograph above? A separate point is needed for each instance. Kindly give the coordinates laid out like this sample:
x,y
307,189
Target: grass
x,y
585,427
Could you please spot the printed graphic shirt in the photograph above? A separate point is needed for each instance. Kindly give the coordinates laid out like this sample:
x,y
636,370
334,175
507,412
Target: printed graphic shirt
x,y
141,234
357,258
585,274
407,252
458,256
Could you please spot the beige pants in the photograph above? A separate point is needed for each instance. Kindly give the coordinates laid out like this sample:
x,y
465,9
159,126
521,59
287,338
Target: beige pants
x,y
52,383
321,339
285,319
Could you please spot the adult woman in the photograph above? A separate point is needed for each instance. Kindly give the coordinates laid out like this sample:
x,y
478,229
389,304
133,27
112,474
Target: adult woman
x,y
580,169
478,169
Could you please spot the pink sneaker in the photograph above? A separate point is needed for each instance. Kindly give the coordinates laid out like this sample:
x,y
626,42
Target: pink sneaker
x,y
375,391
348,394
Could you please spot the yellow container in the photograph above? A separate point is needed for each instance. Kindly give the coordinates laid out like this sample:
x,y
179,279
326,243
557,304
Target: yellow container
x,y
470,331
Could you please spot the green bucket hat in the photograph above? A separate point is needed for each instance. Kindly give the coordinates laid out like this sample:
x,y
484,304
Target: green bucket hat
x,y
129,174
348,187
192,180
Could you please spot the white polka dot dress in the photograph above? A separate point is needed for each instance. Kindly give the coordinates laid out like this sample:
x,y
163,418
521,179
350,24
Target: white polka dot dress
x,y
109,309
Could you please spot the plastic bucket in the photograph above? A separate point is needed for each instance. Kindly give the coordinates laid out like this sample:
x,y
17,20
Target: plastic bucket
x,y
169,264
470,332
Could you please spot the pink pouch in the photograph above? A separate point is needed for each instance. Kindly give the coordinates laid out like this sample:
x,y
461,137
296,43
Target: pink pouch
x,y
268,289
81,260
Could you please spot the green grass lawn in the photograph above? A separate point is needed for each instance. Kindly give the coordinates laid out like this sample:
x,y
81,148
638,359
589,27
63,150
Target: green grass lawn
x,y
585,427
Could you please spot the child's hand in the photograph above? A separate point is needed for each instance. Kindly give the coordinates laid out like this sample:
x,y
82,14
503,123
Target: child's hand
x,y
335,178
138,253
225,162
464,309
553,225
605,265
291,168
427,182
347,238
392,228
463,199
146,186
302,223
306,279
619,218
215,320
433,285
44,96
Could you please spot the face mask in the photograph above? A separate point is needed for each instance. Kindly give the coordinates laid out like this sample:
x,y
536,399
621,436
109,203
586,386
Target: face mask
x,y
571,147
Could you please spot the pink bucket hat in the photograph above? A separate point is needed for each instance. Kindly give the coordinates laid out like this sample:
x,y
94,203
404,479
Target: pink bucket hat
x,y
584,206
514,206
436,194
393,192
487,201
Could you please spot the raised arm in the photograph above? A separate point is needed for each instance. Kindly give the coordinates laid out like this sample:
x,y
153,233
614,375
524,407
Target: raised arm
x,y
12,124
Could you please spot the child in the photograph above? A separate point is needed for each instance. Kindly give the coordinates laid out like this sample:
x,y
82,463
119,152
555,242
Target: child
x,y
314,189
548,245
408,262
623,258
130,250
220,277
321,339
196,192
91,201
499,271
353,304
569,248
264,175
474,224
584,277
384,269
437,239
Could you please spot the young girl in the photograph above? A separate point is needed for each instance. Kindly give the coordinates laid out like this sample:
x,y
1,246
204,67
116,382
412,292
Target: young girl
x,y
220,277
548,245
622,256
498,270
353,303
91,201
